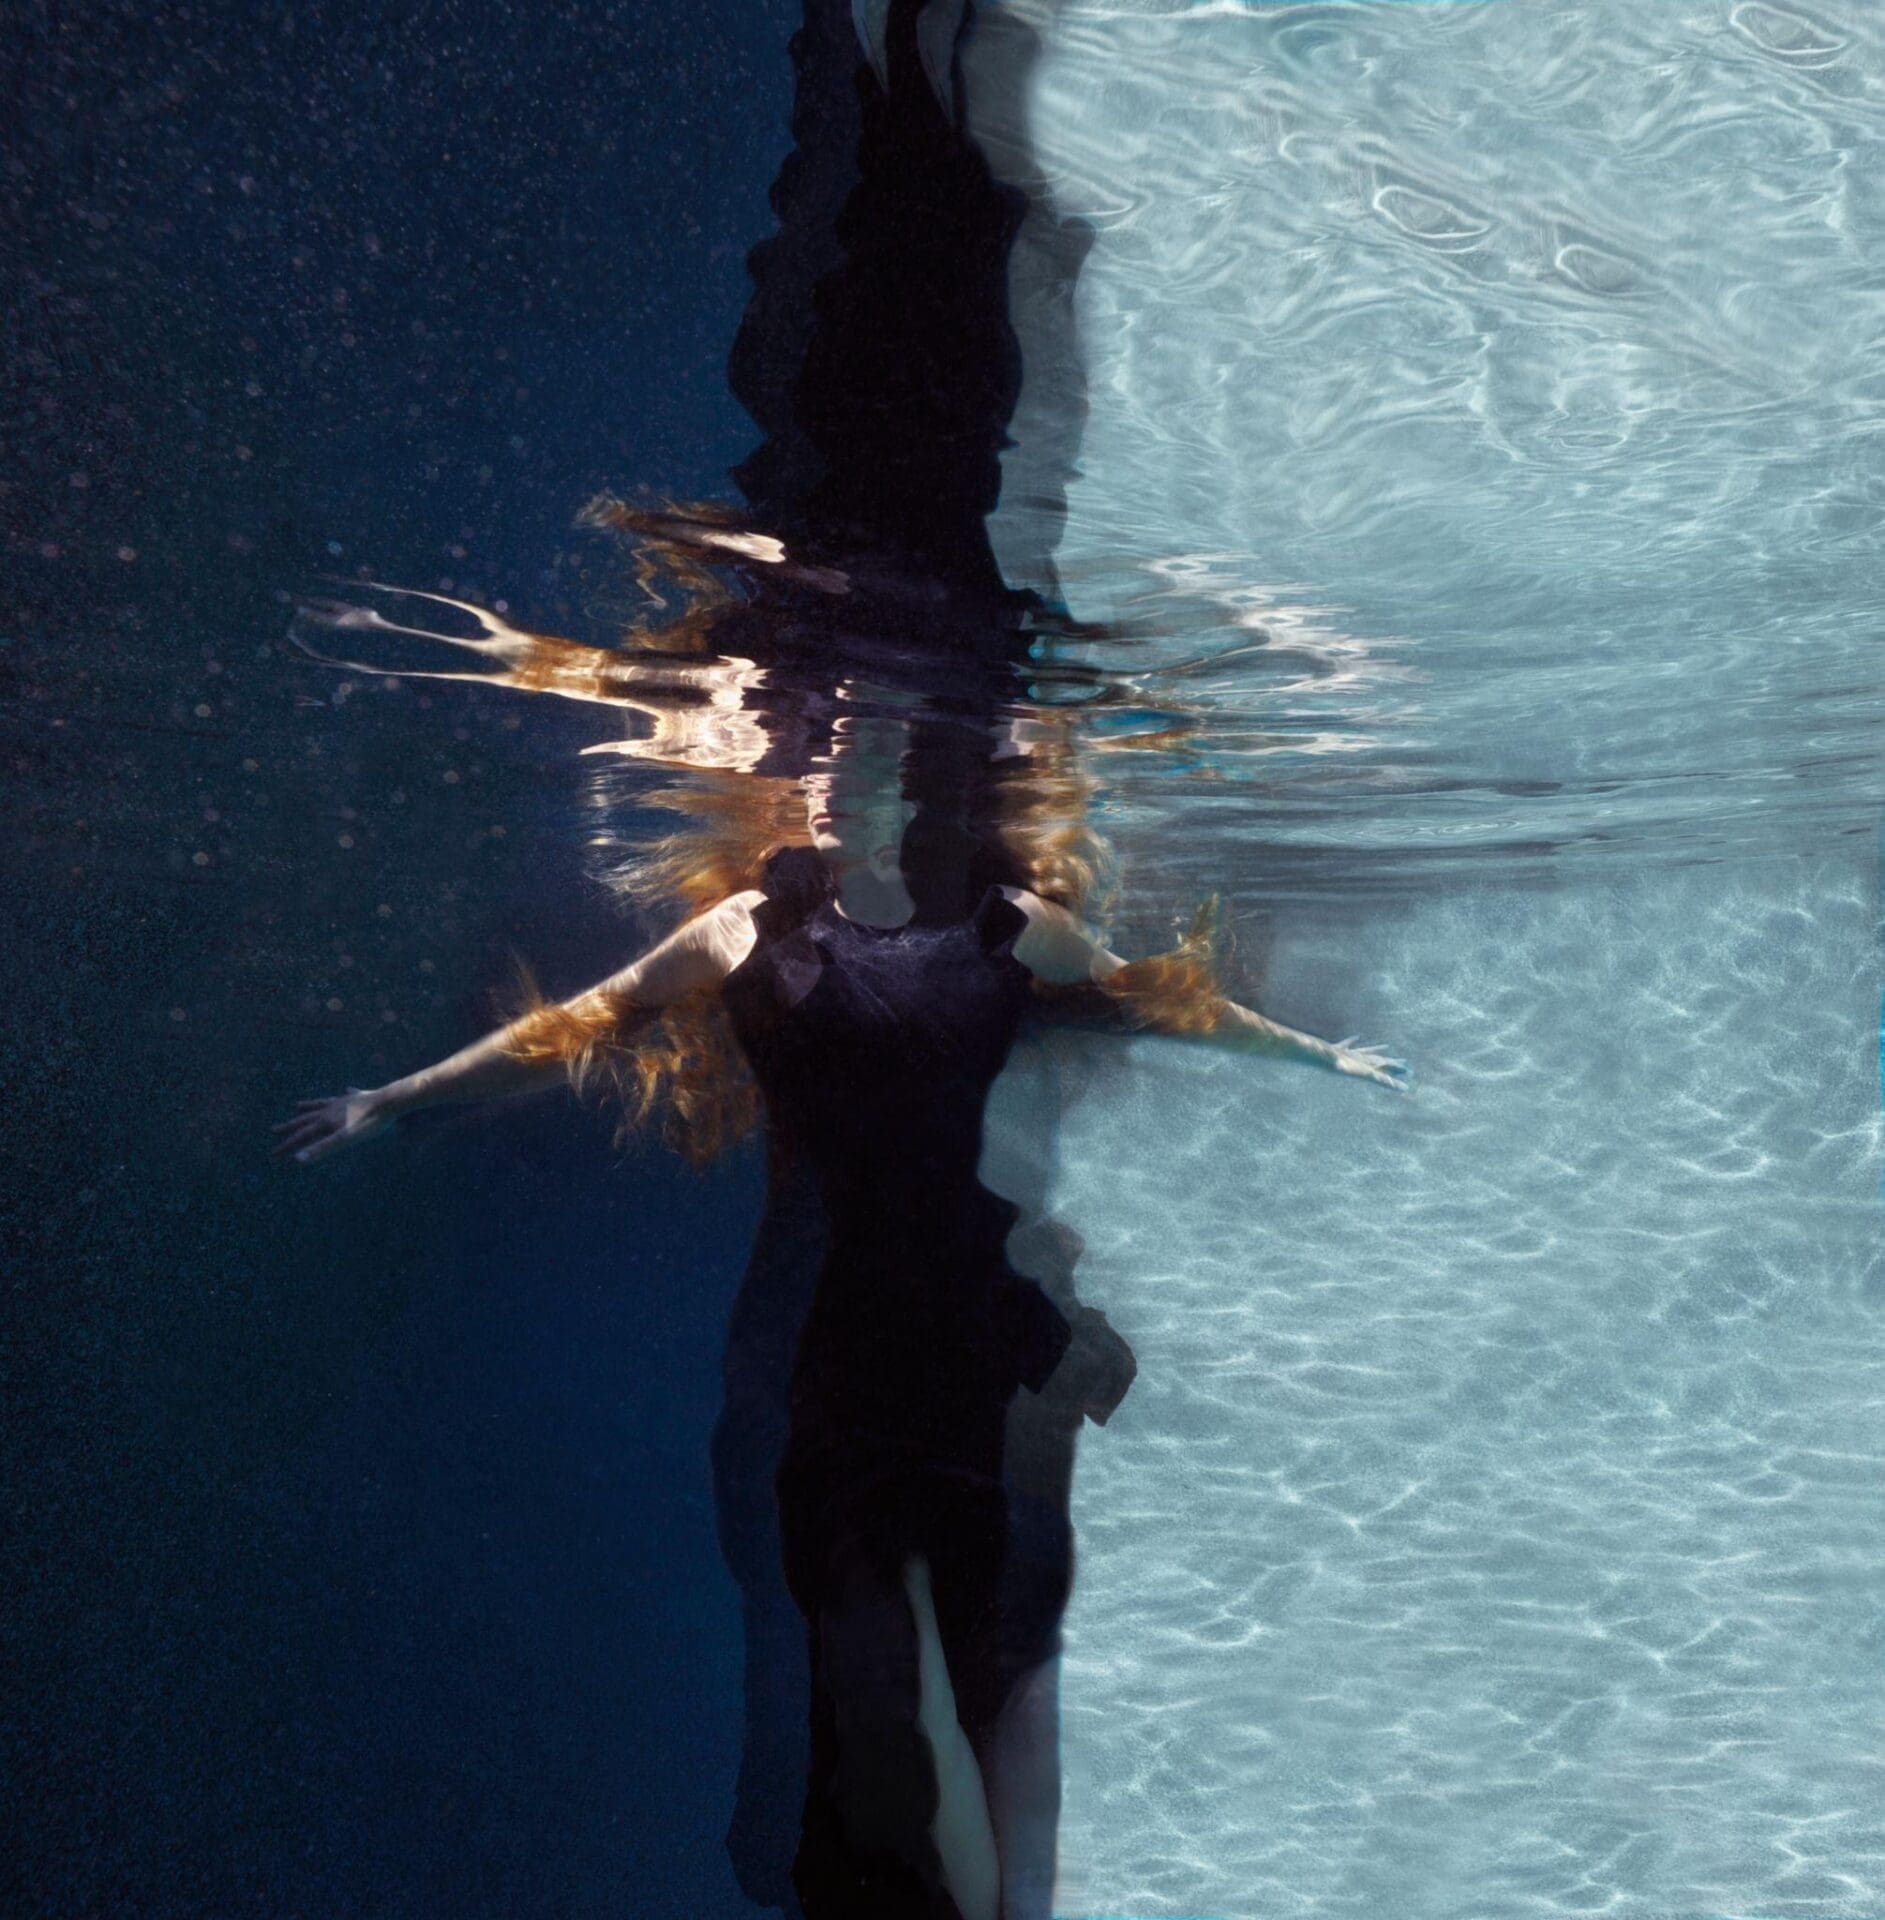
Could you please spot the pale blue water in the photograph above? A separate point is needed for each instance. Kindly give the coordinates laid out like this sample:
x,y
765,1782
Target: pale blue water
x,y
1494,1529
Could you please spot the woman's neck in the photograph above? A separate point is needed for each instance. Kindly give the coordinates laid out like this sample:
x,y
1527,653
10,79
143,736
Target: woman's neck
x,y
874,899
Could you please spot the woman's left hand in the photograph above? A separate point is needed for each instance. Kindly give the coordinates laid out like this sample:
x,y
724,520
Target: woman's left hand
x,y
1371,1063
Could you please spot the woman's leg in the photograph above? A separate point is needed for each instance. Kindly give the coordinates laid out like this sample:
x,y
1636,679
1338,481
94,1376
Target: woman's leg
x,y
1023,1748
1024,1793
867,1850
961,1829
896,1562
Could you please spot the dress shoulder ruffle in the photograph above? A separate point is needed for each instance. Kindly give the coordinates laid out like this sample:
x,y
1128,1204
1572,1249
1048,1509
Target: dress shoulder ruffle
x,y
796,882
998,924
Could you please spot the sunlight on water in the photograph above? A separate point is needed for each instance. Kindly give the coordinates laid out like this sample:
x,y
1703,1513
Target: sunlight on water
x,y
1490,1530
1526,360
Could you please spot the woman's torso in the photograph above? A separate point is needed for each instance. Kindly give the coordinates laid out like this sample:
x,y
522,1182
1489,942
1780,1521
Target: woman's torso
x,y
875,1049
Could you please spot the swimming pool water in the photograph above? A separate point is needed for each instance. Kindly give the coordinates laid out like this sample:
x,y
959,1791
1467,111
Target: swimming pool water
x,y
1493,1528
1480,404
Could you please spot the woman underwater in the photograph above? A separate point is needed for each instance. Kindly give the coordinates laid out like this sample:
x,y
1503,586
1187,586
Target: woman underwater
x,y
890,873
874,973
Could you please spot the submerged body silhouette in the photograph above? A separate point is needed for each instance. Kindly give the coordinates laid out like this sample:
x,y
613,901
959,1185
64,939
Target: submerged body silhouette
x,y
875,1048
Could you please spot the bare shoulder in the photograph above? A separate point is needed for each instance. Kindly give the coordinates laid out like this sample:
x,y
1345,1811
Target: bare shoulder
x,y
726,931
736,907
1055,945
700,952
1038,911
736,910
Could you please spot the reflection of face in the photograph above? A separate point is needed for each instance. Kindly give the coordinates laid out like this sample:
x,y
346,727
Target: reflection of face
x,y
854,807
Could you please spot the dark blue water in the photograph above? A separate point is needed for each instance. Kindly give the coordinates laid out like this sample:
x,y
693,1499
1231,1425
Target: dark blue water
x,y
330,1583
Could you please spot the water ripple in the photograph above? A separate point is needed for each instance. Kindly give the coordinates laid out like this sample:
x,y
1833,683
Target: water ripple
x,y
1484,463
1530,356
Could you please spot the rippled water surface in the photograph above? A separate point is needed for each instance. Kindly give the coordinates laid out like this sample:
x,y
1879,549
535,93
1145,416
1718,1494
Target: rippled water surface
x,y
1510,374
1494,1528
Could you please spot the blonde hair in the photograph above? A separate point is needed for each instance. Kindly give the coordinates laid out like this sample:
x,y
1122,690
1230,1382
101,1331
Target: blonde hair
x,y
682,1061
1030,810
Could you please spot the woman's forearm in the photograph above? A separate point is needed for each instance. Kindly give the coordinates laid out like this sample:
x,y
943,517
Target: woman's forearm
x,y
1249,1032
485,1070
1172,993
557,1041
552,1042
1241,1028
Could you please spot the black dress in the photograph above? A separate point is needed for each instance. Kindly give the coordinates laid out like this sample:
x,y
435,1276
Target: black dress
x,y
875,1049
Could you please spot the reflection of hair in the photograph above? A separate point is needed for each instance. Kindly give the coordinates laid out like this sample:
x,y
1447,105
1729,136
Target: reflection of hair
x,y
671,543
1027,812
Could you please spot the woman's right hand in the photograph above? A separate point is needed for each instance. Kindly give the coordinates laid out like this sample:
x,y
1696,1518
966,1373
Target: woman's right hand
x,y
321,1127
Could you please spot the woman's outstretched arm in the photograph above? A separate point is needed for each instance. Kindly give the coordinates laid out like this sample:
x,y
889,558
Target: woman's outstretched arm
x,y
1061,950
699,954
